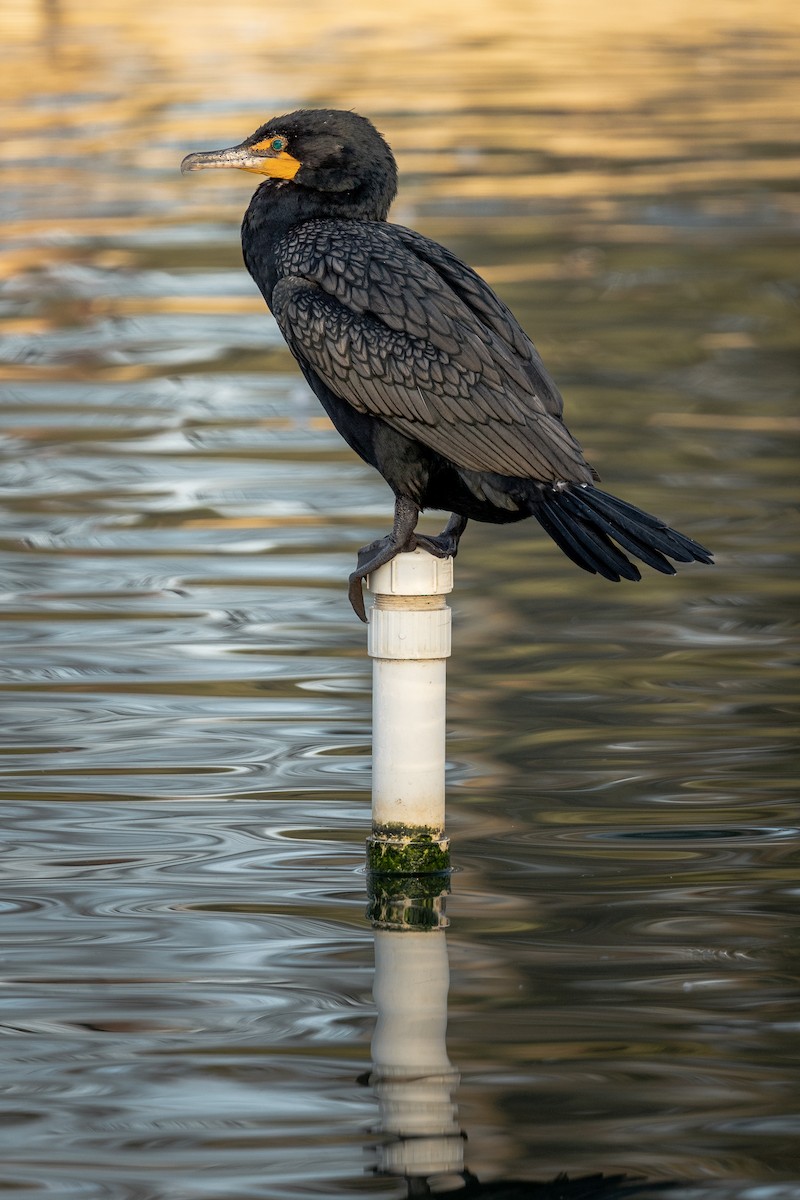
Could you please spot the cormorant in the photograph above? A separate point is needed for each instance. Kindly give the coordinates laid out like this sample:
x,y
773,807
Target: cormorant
x,y
423,370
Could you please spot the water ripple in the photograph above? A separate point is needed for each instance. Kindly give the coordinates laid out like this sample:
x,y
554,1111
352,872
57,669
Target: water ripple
x,y
185,1003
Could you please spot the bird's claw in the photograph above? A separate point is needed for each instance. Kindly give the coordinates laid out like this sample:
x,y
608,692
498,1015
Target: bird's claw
x,y
370,557
355,594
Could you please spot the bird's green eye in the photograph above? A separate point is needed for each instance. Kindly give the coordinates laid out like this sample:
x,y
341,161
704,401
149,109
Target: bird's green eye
x,y
277,144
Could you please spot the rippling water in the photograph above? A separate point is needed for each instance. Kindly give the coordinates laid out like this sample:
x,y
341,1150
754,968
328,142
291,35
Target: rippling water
x,y
187,1002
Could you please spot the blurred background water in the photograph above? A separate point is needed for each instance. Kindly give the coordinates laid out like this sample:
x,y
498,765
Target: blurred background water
x,y
187,1004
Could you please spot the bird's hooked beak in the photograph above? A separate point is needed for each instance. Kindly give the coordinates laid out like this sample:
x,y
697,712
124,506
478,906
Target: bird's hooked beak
x,y
260,158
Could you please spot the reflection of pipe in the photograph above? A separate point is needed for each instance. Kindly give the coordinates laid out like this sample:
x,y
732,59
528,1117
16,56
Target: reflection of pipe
x,y
409,643
412,1075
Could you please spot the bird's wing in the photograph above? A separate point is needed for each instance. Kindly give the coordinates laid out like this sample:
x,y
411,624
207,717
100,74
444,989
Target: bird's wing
x,y
488,308
386,332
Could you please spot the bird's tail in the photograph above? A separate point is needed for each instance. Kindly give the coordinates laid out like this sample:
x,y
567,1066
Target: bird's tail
x,y
585,523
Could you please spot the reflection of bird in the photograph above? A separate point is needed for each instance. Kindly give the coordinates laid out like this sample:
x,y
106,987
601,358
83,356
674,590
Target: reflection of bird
x,y
586,1187
421,368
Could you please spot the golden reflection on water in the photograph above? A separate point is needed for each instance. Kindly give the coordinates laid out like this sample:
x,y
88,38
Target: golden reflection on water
x,y
522,98
577,108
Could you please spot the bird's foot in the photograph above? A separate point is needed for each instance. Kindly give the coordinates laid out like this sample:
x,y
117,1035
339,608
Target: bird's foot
x,y
443,545
367,554
370,557
403,539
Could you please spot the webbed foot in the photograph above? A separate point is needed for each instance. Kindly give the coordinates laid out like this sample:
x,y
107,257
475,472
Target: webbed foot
x,y
370,557
444,544
401,540
377,554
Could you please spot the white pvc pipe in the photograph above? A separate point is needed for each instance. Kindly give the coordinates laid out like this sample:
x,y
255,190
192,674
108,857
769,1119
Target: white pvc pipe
x,y
408,732
409,642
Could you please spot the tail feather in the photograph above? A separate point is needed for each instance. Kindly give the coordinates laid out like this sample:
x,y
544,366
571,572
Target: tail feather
x,y
676,545
653,553
582,521
586,545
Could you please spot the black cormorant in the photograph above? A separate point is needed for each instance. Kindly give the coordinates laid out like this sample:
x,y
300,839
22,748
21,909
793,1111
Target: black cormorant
x,y
421,367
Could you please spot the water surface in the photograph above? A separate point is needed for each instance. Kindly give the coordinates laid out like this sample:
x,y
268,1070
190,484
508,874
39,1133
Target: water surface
x,y
188,969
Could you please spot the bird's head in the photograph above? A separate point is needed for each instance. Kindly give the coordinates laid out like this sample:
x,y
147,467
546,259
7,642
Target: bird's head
x,y
328,151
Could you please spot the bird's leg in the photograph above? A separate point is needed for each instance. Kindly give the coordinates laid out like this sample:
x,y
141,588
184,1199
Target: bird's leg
x,y
377,554
445,544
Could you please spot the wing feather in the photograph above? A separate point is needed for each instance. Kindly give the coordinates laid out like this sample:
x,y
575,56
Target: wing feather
x,y
399,328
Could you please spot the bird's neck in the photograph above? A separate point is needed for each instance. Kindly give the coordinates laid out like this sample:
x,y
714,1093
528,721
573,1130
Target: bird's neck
x,y
277,207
